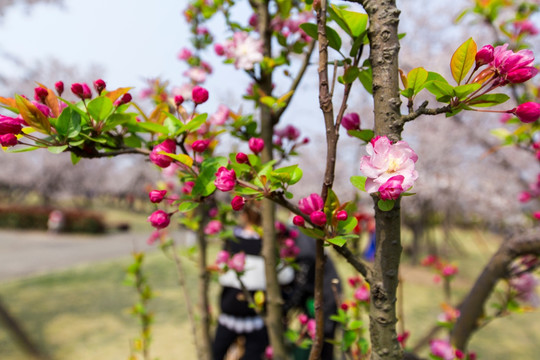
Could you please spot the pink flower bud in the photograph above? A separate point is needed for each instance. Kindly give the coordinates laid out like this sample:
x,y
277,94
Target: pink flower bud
x,y
449,270
184,54
392,188
213,227
536,215
242,158
159,219
40,94
225,179
311,328
310,204
524,197
178,100
521,75
318,218
219,49
342,215
188,187
77,89
200,145
123,100
238,262
269,352
351,121
459,354
199,95
442,349
344,306
362,293
87,93
402,338
156,196
299,221
99,85
9,125
256,145
303,319
472,356
484,55
238,203
8,140
222,257
527,112
280,227
59,86
163,161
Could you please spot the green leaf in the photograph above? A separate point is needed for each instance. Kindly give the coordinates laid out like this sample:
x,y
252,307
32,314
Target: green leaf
x,y
289,174
386,205
114,120
332,202
57,149
365,135
355,325
349,337
334,41
462,91
350,74
32,115
268,101
353,23
366,77
100,108
195,123
133,141
312,233
463,59
357,44
340,240
153,127
440,89
204,184
75,159
488,100
359,182
417,78
345,227
187,206
183,158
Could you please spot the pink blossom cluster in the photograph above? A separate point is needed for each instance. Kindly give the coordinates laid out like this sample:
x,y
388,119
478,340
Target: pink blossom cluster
x,y
237,262
213,227
360,289
243,49
311,205
506,66
390,168
525,286
442,268
534,189
290,27
288,139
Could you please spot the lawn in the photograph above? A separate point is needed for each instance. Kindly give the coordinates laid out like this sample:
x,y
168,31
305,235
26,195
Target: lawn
x,y
83,313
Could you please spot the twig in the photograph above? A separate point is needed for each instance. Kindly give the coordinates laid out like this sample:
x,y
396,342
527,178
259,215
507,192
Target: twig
x,y
423,110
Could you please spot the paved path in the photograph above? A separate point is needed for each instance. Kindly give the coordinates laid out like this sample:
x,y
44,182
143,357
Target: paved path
x,y
24,253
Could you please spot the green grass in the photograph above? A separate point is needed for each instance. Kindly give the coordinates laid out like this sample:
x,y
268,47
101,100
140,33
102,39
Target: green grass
x,y
83,313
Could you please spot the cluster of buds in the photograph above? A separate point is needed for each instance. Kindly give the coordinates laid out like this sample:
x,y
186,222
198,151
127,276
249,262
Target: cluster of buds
x,y
287,140
443,350
311,205
236,262
443,269
287,240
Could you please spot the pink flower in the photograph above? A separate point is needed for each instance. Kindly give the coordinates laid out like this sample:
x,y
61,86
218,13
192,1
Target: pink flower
x,y
153,237
45,110
242,158
290,132
391,189
159,219
536,215
269,352
59,86
222,257
299,221
525,285
351,121
386,160
8,140
184,54
161,160
318,218
402,338
200,145
9,125
188,187
99,85
525,27
256,145
362,293
524,197
237,262
219,49
310,204
199,95
213,227
528,112
449,270
442,349
225,179
303,319
156,196
196,74
342,215
280,227
311,328
220,116
484,55
513,67
245,50
238,203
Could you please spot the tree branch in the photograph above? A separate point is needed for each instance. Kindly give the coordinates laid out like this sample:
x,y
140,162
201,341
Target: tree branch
x,y
423,110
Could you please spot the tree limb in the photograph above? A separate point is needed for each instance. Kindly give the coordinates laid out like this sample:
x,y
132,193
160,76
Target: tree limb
x,y
423,110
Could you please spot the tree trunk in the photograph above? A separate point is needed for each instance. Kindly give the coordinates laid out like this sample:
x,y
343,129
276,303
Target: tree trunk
x,y
206,340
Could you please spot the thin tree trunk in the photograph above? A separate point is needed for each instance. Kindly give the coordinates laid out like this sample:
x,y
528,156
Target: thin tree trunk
x,y
206,342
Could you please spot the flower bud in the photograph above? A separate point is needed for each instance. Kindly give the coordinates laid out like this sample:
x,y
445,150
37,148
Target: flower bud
x,y
8,140
156,196
342,215
178,100
484,55
351,121
238,203
188,187
524,197
99,85
299,221
318,218
527,112
222,257
9,125
344,306
269,352
199,95
59,86
40,94
392,188
303,319
159,219
225,179
238,262
310,204
163,161
242,158
521,75
200,145
87,93
256,145
123,100
77,89
213,227
219,49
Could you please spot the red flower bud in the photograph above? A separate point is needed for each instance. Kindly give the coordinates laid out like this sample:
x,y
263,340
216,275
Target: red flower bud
x,y
351,121
178,100
199,95
123,100
318,218
77,89
527,112
59,86
256,145
40,94
342,215
99,85
484,55
8,140
200,145
299,221
238,203
156,196
242,158
159,219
